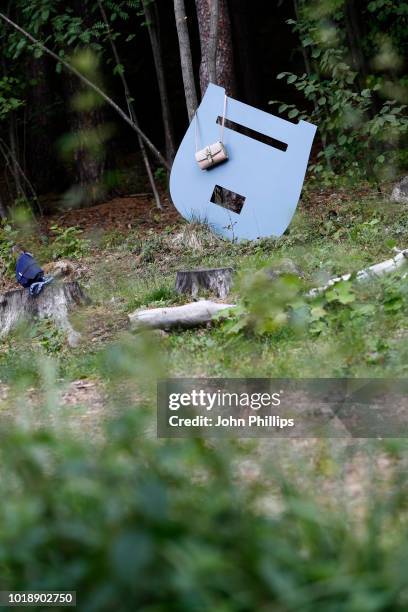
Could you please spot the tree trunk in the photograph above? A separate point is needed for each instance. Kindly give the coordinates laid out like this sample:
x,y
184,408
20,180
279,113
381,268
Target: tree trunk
x,y
73,71
14,155
354,36
400,191
202,312
13,152
215,280
308,68
185,58
130,106
89,161
224,72
87,130
3,210
243,51
152,18
213,41
42,161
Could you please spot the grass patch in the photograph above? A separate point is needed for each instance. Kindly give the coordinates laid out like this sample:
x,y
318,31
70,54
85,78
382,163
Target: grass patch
x,y
365,338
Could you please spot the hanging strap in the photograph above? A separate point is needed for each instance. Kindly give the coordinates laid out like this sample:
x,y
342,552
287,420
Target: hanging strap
x,y
223,119
224,112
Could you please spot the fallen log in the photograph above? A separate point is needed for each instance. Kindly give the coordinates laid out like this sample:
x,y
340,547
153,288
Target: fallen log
x,y
216,280
54,302
189,315
384,267
199,313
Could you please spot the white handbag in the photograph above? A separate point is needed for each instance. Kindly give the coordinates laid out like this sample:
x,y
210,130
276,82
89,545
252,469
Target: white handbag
x,y
215,153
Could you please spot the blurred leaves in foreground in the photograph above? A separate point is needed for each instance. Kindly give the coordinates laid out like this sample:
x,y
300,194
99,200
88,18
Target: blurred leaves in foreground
x,y
135,523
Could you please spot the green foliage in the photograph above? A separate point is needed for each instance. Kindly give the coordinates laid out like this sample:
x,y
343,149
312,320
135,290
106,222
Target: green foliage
x,y
266,304
161,176
48,337
159,296
8,238
118,510
227,532
67,242
9,102
155,296
150,248
345,309
359,134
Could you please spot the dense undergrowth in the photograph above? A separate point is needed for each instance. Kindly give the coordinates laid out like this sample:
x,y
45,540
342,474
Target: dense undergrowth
x,y
134,522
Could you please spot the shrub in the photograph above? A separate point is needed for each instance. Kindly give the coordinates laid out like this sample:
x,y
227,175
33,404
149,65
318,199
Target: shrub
x,y
133,523
360,134
68,242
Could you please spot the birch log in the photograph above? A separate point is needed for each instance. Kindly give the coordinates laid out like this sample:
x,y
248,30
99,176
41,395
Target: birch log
x,y
54,302
199,313
189,315
385,267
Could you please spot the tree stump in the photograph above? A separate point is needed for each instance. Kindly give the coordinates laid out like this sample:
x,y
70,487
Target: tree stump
x,y
215,280
54,302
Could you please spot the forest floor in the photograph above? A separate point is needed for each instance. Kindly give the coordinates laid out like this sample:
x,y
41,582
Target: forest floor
x,y
129,252
130,262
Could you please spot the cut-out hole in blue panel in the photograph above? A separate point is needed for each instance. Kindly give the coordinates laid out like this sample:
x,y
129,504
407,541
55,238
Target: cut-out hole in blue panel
x,y
227,199
246,131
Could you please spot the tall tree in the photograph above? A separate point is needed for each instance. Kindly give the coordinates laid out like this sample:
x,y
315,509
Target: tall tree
x,y
215,40
86,120
40,153
88,151
129,102
354,35
185,57
10,149
71,69
153,25
244,53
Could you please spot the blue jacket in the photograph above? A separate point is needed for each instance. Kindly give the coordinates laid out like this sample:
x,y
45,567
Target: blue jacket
x,y
27,270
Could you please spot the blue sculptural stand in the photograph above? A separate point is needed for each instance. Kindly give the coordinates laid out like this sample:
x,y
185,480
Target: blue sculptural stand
x,y
268,177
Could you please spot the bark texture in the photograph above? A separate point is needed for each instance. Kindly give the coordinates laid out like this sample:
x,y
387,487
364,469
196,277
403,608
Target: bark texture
x,y
55,302
400,191
213,41
185,58
216,280
152,18
224,64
